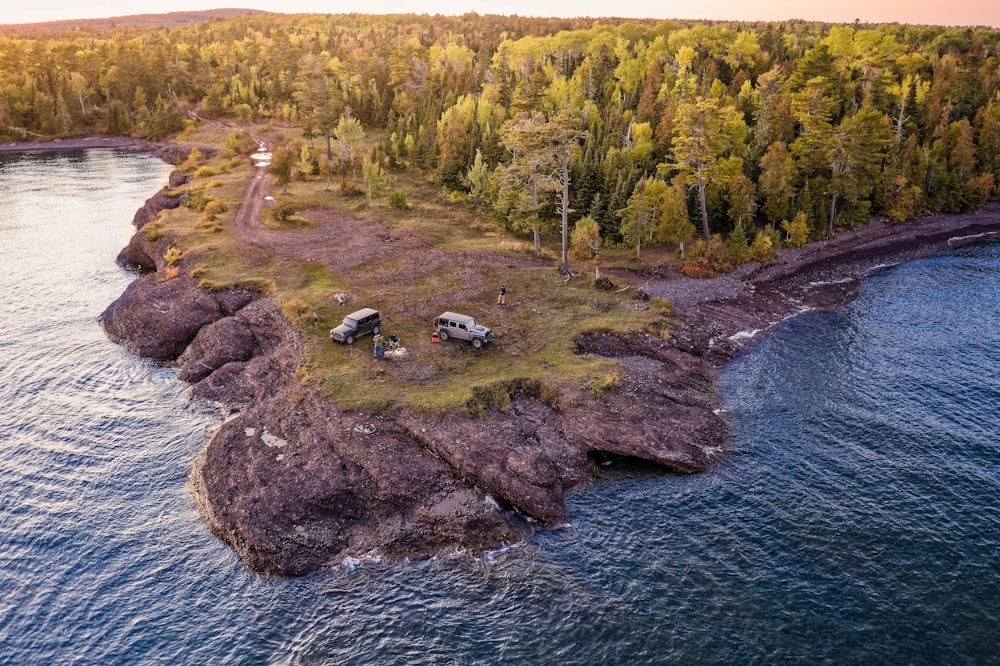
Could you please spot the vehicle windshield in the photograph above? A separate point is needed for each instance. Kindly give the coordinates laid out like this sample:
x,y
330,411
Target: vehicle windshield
x,y
350,322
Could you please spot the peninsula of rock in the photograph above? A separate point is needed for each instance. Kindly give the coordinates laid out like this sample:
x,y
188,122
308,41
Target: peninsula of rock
x,y
294,483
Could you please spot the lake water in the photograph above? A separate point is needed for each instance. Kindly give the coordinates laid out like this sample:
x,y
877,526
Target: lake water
x,y
857,521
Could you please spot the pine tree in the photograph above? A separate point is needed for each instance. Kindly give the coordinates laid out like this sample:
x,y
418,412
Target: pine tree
x,y
705,131
777,180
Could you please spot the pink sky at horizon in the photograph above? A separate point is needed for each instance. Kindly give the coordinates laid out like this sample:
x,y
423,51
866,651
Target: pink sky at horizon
x,y
957,12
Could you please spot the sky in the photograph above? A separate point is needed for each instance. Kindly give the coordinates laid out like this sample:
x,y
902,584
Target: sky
x,y
949,12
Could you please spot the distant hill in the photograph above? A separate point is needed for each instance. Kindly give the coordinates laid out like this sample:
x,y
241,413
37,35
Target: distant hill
x,y
170,19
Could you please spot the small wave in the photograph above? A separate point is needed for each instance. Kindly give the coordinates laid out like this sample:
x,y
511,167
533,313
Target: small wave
x,y
491,556
827,283
351,563
973,239
744,335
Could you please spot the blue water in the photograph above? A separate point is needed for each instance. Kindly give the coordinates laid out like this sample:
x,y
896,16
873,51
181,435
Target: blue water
x,y
857,521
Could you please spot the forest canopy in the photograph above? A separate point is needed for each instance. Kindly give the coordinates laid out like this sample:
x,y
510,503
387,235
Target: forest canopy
x,y
660,131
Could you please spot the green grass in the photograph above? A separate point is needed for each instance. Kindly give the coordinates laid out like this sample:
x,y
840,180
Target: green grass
x,y
534,341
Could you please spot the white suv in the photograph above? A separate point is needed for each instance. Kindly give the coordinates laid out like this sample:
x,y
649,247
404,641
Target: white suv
x,y
463,327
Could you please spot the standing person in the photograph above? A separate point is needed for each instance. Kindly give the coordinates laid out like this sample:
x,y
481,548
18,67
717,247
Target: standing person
x,y
502,295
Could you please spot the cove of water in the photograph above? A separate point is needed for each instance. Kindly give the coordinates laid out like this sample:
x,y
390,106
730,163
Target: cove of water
x,y
857,520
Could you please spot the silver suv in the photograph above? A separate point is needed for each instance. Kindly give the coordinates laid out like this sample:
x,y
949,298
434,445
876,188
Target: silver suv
x,y
463,327
356,324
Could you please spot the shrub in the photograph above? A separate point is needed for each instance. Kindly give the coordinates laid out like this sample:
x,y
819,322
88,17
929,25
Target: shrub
x,y
715,247
283,212
163,122
173,255
696,250
153,233
736,245
397,199
198,200
244,111
762,248
978,190
698,269
239,142
661,304
193,159
906,203
797,230
299,311
214,208
170,273
212,184
204,172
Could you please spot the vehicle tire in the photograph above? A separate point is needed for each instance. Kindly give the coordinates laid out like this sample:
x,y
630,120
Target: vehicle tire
x,y
443,335
349,339
477,343
375,330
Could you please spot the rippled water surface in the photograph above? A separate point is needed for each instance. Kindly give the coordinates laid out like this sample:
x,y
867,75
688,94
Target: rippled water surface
x,y
858,520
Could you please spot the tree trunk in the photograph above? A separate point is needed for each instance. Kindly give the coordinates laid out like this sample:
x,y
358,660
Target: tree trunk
x,y
536,227
565,216
833,214
899,120
329,147
702,186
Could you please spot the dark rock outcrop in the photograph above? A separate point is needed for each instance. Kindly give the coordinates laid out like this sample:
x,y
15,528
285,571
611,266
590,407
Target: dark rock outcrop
x,y
156,203
159,319
141,254
224,341
293,483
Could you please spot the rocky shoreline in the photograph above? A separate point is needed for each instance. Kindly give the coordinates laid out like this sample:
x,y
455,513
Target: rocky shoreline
x,y
293,484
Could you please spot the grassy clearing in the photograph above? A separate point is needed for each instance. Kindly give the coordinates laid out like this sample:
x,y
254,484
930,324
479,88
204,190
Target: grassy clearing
x,y
533,341
452,262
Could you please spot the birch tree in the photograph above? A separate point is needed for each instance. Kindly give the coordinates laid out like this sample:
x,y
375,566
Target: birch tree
x,y
349,135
